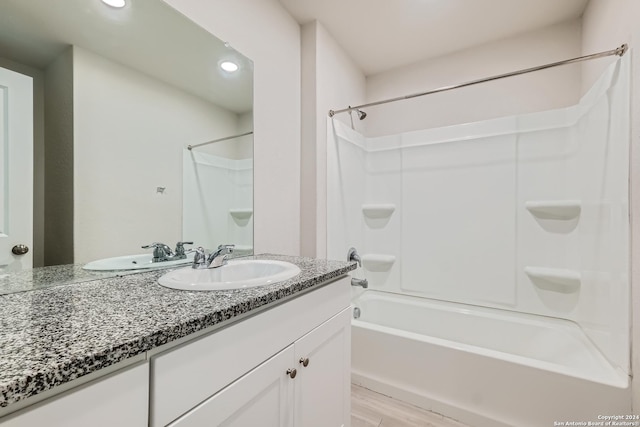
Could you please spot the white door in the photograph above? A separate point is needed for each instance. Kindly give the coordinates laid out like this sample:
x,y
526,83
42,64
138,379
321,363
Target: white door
x,y
16,170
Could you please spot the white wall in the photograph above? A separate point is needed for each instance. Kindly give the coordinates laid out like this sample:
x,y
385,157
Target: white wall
x,y
330,79
537,91
606,25
263,31
129,134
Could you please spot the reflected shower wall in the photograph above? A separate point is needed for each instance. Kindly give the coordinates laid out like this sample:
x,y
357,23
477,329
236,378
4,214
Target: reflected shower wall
x,y
217,201
525,213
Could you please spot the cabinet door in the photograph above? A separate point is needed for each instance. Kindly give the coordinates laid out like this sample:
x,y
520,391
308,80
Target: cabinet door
x,y
323,387
263,397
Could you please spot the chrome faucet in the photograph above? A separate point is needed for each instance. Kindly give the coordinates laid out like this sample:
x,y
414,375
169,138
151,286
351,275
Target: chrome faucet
x,y
162,252
352,255
359,282
180,253
216,259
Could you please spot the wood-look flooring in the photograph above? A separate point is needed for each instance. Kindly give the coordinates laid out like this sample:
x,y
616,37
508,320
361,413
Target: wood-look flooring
x,y
371,409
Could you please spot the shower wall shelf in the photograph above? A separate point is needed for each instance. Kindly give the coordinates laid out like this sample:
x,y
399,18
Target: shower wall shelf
x,y
555,209
378,211
241,213
554,279
378,262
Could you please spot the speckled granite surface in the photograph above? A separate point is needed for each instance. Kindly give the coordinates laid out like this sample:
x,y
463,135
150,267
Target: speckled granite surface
x,y
46,277
51,336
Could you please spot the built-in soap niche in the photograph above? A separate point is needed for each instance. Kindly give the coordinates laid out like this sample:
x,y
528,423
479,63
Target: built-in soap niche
x,y
556,216
241,216
555,279
378,215
378,270
378,263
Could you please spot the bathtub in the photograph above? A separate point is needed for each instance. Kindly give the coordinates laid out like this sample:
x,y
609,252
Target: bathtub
x,y
482,366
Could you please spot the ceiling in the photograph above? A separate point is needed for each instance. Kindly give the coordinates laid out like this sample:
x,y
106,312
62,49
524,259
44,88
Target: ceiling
x,y
147,35
383,34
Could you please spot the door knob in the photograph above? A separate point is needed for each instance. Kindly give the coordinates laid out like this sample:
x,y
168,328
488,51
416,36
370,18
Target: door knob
x,y
304,361
292,373
20,249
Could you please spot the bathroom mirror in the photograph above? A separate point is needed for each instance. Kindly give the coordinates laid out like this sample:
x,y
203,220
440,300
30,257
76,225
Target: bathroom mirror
x,y
119,93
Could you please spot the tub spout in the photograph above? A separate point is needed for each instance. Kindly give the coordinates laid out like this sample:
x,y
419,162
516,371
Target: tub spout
x,y
359,282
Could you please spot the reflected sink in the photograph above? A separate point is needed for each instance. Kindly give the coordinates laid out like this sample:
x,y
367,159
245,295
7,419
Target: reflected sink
x,y
134,262
236,274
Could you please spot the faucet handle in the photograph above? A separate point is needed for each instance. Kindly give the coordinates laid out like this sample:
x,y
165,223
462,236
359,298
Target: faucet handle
x,y
156,245
152,245
160,251
199,259
227,247
180,248
353,255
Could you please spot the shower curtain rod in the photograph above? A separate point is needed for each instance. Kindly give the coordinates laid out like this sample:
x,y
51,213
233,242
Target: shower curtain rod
x,y
191,147
619,51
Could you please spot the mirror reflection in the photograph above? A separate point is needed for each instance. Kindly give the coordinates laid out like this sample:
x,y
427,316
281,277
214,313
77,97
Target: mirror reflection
x,y
119,96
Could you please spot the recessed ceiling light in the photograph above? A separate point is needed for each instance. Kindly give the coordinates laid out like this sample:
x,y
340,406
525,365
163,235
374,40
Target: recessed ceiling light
x,y
115,3
229,66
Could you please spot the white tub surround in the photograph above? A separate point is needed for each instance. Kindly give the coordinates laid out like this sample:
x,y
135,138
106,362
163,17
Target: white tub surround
x,y
526,213
225,218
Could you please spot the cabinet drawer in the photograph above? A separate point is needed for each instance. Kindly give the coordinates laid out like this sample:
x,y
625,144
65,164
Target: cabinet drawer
x,y
184,377
120,399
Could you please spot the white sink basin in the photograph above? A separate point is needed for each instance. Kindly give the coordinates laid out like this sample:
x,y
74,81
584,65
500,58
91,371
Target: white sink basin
x,y
235,275
133,262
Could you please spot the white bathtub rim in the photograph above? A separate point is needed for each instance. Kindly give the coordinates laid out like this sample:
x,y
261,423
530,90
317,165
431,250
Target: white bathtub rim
x,y
489,312
607,373
615,378
455,306
621,378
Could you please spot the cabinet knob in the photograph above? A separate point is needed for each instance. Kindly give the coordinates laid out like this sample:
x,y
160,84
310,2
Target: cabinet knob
x,y
292,373
304,361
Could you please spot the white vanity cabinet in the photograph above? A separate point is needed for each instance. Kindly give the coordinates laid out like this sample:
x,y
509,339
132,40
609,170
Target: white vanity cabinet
x,y
253,372
120,399
286,364
283,392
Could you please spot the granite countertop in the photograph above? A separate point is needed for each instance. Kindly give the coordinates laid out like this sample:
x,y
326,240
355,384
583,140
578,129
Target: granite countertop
x,y
46,277
53,335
